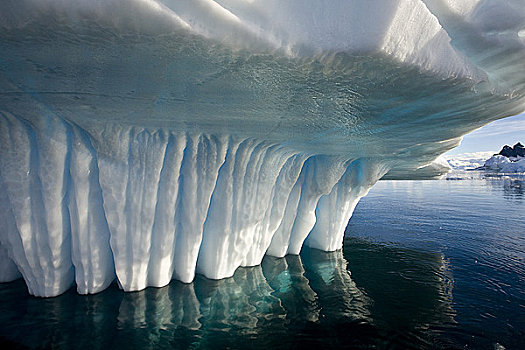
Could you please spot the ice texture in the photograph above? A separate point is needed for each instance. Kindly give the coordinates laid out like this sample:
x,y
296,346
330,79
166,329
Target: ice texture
x,y
502,164
143,141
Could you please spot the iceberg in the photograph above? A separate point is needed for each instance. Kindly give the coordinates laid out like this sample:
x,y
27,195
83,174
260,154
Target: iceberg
x,y
508,160
148,140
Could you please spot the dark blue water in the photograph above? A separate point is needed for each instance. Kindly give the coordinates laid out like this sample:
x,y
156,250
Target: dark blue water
x,y
477,228
426,264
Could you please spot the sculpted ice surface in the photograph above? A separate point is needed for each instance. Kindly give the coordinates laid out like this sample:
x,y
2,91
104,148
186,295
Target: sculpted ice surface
x,y
148,140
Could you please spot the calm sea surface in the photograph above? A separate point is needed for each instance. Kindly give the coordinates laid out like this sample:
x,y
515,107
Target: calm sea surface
x,y
426,264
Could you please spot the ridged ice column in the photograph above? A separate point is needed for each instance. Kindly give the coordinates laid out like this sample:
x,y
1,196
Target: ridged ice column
x,y
146,205
35,171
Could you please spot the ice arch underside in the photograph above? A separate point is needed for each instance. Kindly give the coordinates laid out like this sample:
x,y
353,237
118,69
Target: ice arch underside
x,y
144,140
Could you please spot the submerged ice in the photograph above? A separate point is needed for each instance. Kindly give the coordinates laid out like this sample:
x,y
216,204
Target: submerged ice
x,y
145,141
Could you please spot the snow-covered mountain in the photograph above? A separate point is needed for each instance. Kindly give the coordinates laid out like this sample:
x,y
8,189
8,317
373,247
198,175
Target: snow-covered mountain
x,y
508,160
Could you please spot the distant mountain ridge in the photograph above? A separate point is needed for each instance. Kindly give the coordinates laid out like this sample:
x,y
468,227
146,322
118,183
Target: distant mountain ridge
x,y
513,152
508,160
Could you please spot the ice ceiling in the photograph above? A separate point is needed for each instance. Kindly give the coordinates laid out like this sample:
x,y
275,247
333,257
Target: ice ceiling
x,y
143,141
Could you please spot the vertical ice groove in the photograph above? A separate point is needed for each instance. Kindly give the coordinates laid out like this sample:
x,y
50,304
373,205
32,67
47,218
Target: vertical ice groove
x,y
335,209
281,238
220,215
53,159
266,173
38,233
130,206
164,231
322,172
288,167
317,177
91,253
238,206
113,179
149,148
263,170
203,157
33,169
10,237
245,214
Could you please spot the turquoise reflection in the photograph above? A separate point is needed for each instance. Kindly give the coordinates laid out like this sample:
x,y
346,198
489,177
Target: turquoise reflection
x,y
283,303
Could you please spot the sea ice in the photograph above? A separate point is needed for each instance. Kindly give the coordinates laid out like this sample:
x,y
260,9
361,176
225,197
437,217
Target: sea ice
x,y
502,164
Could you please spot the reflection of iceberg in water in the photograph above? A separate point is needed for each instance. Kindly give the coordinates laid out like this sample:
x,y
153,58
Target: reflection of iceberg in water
x,y
283,302
236,302
410,288
287,278
337,292
280,291
513,186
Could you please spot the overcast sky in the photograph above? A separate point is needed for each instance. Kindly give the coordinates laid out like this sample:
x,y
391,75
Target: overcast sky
x,y
493,136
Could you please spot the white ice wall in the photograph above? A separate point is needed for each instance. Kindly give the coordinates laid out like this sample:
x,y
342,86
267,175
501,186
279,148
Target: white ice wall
x,y
149,205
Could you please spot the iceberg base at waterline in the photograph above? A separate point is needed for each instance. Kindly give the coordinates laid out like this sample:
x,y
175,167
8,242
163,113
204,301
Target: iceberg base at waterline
x,y
165,206
508,160
163,139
